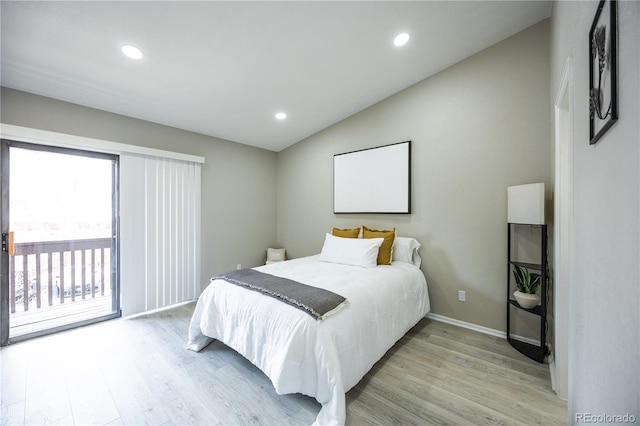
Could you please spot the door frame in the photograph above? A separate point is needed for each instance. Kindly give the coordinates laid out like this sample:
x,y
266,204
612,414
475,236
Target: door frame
x,y
4,257
5,145
563,231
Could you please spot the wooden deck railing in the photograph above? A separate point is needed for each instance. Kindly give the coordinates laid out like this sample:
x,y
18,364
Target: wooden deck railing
x,y
60,277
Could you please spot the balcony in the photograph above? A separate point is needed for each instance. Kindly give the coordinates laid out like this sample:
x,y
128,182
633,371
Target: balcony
x,y
55,283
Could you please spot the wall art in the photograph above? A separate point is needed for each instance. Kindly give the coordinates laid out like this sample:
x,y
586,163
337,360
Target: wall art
x,y
603,90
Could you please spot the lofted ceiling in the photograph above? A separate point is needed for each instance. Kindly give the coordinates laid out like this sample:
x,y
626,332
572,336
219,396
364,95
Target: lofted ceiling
x,y
225,69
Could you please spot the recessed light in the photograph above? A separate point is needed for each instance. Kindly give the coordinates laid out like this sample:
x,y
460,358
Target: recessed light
x,y
401,39
281,116
132,51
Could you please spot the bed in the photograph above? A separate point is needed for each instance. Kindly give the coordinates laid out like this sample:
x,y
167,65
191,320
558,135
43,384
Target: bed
x,y
319,358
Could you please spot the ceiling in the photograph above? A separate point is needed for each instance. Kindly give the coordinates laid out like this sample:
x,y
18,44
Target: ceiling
x,y
225,69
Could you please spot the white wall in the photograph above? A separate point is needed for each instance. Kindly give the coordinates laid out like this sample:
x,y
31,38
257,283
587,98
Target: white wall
x,y
477,127
604,336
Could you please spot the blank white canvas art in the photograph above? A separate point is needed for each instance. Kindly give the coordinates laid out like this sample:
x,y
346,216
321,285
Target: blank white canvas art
x,y
374,180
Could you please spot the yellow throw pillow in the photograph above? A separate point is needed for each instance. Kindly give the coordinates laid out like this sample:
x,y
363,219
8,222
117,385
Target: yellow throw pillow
x,y
345,233
384,254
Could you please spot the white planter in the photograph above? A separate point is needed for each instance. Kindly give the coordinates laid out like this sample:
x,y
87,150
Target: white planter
x,y
526,300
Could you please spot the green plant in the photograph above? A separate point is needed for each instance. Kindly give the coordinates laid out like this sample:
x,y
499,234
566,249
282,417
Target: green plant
x,y
525,281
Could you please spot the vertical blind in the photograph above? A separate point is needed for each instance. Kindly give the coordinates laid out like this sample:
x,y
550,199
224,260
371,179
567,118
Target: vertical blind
x,y
159,232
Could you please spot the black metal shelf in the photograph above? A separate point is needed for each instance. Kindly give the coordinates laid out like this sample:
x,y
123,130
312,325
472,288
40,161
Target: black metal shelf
x,y
531,225
534,266
536,310
535,352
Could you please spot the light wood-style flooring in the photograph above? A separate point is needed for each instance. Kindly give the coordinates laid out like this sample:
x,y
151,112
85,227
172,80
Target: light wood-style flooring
x,y
137,371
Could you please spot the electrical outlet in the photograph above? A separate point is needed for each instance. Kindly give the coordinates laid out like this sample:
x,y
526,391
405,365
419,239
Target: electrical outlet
x,y
239,266
462,296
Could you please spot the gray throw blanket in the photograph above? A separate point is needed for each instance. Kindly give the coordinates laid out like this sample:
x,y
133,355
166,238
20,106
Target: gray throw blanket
x,y
317,302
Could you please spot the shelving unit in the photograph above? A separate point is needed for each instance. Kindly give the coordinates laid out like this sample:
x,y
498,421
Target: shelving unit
x,y
535,352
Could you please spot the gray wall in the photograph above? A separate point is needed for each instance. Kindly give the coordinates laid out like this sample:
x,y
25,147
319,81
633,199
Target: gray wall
x,y
604,319
477,127
238,181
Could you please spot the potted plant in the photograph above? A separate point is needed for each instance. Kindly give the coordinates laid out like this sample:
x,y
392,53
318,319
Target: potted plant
x,y
528,285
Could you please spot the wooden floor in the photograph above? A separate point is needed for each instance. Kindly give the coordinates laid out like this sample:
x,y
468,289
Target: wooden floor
x,y
137,371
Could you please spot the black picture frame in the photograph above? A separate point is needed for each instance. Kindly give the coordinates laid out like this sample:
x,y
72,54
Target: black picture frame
x,y
603,84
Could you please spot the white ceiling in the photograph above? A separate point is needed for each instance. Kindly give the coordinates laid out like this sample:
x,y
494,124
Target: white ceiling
x,y
225,68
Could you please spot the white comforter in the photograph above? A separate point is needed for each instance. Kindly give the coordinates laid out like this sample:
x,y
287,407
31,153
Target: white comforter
x,y
321,359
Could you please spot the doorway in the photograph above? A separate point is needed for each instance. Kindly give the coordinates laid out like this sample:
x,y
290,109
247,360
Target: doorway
x,y
60,239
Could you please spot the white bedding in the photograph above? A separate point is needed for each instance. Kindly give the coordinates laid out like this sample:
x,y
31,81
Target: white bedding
x,y
321,359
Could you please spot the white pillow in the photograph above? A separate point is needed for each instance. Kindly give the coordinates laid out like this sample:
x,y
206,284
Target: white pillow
x,y
406,250
275,255
351,251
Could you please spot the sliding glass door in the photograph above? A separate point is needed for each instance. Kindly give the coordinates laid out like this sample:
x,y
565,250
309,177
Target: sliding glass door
x,y
60,239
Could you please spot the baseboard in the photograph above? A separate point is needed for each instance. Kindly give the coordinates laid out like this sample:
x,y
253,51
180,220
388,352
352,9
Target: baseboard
x,y
468,325
479,328
156,310
552,370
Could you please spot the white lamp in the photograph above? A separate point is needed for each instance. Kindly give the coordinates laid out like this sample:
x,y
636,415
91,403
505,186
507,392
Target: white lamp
x,y
525,204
